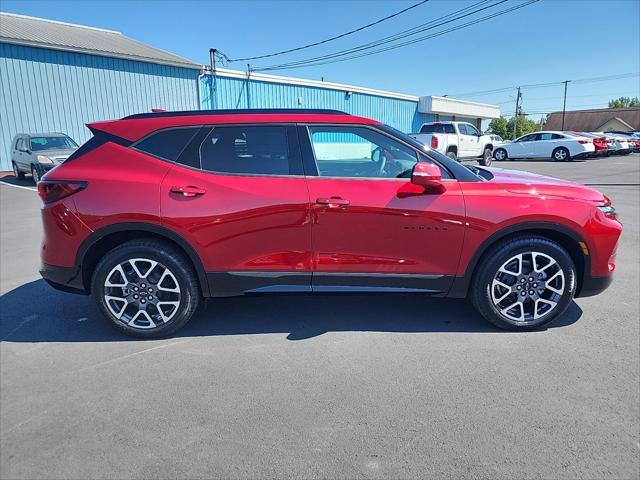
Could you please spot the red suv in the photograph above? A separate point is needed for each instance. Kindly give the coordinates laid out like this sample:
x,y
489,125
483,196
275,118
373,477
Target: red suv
x,y
158,211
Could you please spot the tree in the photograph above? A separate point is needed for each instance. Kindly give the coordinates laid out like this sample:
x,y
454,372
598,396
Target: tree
x,y
499,126
624,102
503,127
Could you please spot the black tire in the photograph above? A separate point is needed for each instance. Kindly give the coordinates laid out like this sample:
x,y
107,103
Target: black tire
x,y
487,155
500,154
16,172
561,154
35,174
167,257
452,155
482,297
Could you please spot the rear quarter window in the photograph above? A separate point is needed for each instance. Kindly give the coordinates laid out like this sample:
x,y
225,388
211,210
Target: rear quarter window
x,y
167,144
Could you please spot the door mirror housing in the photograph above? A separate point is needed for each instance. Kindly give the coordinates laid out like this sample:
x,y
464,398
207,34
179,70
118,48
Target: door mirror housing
x,y
427,175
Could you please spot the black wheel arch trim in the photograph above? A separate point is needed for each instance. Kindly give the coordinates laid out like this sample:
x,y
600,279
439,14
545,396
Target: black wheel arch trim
x,y
461,283
155,229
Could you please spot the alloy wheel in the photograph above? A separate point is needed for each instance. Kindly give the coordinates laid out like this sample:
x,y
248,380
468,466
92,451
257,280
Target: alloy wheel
x,y
142,293
560,155
499,155
527,287
34,174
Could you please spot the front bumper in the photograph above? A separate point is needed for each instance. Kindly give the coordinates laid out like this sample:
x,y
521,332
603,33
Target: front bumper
x,y
65,279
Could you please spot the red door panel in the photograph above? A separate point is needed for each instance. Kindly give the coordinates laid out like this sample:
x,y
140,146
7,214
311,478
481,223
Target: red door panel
x,y
240,223
388,226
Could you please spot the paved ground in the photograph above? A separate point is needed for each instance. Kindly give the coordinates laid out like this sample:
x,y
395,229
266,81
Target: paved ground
x,y
326,386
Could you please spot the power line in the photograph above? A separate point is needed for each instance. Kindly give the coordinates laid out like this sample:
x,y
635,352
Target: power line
x,y
618,76
314,44
335,56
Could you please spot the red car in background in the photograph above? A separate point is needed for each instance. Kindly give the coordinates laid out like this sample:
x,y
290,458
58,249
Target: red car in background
x,y
159,211
602,144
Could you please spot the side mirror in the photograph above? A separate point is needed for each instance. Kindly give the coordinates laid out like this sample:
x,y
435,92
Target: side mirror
x,y
427,175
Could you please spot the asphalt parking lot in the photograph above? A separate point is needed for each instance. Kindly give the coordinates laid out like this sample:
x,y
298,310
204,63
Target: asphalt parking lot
x,y
321,386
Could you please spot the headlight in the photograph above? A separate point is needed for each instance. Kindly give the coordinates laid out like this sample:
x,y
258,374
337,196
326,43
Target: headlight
x,y
608,209
44,160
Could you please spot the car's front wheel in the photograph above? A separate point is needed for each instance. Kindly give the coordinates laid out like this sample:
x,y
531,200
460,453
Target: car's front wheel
x,y
486,157
146,288
500,154
35,175
524,283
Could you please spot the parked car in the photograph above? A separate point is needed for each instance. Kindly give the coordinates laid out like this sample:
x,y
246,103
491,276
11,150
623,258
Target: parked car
x,y
603,146
223,203
633,139
496,139
620,143
40,152
457,140
559,146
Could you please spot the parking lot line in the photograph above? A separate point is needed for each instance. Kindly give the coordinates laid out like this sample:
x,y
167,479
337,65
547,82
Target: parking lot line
x,y
33,189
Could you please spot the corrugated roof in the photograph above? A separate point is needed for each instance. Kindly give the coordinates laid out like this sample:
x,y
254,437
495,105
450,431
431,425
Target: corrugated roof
x,y
592,120
39,32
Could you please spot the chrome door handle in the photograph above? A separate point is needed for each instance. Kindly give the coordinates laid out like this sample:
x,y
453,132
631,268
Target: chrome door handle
x,y
188,191
333,202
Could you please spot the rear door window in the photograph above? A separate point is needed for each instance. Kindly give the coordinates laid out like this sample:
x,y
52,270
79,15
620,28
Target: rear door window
x,y
247,149
167,144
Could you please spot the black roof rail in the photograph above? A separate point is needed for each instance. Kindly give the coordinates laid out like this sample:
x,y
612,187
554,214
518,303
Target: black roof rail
x,y
184,113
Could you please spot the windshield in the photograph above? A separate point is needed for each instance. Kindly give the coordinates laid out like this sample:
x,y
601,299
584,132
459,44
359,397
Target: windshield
x,y
445,161
52,143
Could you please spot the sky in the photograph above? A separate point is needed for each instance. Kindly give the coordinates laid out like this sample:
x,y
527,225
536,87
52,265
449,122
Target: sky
x,y
548,41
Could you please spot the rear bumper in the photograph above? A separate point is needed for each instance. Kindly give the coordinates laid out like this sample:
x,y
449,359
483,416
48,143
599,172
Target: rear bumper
x,y
65,279
594,285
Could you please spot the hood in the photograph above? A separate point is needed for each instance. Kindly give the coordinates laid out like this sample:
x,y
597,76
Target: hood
x,y
57,154
520,182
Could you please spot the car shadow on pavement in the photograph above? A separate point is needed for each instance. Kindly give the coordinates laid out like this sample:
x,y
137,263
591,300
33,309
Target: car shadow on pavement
x,y
34,312
25,182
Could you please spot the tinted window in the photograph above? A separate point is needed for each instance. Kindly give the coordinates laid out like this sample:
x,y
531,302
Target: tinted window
x,y
51,143
527,138
556,136
246,149
437,128
462,128
545,136
167,144
471,130
359,152
18,144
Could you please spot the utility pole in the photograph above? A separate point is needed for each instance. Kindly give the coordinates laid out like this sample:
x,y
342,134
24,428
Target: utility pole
x,y
564,105
515,118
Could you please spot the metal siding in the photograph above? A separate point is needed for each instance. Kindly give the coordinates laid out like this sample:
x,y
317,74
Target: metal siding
x,y
49,90
242,93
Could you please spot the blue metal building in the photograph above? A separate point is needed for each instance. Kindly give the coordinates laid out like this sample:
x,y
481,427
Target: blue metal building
x,y
57,77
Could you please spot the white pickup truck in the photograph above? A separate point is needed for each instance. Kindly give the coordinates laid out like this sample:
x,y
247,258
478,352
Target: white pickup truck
x,y
457,140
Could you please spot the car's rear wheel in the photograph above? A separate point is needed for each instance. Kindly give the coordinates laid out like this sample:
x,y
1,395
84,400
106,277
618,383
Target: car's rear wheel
x,y
486,157
500,154
146,288
561,154
35,175
16,172
452,155
524,283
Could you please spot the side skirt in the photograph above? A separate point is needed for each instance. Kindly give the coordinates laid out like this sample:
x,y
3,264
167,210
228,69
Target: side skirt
x,y
228,284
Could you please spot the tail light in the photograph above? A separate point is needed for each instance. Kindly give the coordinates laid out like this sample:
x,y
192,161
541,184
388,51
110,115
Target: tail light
x,y
434,142
54,190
